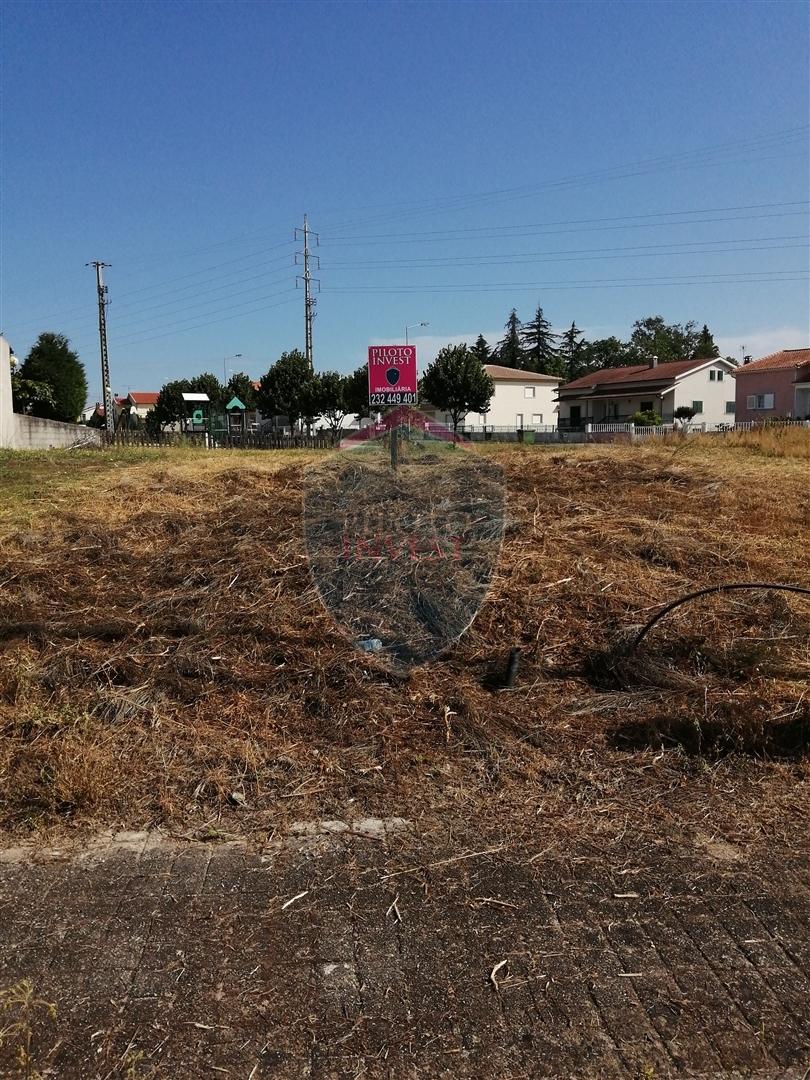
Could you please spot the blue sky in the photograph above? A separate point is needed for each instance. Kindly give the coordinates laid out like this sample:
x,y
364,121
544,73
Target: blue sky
x,y
608,161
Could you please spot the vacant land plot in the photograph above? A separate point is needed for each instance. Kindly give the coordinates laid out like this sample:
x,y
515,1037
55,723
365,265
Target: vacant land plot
x,y
167,665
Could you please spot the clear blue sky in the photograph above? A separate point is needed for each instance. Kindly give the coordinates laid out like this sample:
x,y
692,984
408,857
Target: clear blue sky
x,y
456,158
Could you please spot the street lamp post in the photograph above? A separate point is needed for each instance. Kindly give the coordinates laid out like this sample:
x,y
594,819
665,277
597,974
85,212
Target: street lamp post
x,y
225,359
410,326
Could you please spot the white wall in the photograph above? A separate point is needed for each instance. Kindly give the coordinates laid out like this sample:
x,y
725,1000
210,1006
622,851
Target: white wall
x,y
714,394
509,401
6,411
34,433
18,432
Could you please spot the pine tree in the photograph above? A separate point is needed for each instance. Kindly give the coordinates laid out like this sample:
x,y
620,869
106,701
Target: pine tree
x,y
571,349
705,346
509,352
539,351
482,350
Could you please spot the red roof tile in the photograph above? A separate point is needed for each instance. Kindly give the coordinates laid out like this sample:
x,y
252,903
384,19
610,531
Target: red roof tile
x,y
637,374
144,397
778,361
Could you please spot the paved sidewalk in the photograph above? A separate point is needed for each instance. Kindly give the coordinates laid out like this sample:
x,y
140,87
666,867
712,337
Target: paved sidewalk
x,y
335,952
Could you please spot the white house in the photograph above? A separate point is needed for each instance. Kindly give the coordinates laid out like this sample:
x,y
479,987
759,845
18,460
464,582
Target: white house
x,y
614,395
140,402
522,399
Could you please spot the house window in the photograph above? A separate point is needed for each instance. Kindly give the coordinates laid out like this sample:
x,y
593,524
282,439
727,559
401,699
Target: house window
x,y
529,391
537,419
646,406
719,376
697,407
712,375
759,401
731,407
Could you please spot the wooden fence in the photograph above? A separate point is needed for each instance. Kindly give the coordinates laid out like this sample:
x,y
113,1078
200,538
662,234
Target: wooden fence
x,y
218,441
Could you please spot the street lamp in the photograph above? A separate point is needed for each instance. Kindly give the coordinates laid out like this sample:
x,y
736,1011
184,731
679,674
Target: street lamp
x,y
410,326
225,359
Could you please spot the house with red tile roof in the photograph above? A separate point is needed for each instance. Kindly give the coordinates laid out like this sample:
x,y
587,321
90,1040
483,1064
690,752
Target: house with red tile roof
x,y
614,395
776,386
141,401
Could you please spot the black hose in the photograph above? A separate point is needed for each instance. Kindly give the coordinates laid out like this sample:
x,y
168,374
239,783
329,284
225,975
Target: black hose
x,y
704,592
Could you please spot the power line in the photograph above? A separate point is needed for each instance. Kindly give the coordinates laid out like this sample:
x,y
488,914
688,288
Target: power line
x,y
717,247
180,329
434,236
750,277
717,155
137,315
490,232
158,286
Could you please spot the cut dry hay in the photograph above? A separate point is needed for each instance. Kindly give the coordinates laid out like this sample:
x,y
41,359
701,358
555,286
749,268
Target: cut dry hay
x,y
163,644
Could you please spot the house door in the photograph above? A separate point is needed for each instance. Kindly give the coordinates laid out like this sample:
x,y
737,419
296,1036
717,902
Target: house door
x,y
519,420
576,415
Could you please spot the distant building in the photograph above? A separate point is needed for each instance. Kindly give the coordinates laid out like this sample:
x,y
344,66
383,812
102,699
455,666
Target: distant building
x,y
97,411
615,395
521,400
141,401
777,385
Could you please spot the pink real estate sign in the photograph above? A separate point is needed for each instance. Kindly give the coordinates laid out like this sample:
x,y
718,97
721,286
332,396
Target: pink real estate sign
x,y
392,375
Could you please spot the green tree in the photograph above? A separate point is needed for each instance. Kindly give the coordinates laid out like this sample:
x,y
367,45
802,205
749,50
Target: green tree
x,y
606,353
648,418
456,383
482,350
705,346
355,393
570,351
52,361
241,386
28,395
684,413
539,350
653,337
331,391
509,351
210,384
284,390
169,408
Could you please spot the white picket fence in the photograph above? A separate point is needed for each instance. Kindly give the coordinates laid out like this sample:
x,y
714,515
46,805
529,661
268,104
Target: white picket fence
x,y
644,431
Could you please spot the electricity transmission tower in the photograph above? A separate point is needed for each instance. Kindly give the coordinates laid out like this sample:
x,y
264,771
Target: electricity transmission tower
x,y
309,300
101,288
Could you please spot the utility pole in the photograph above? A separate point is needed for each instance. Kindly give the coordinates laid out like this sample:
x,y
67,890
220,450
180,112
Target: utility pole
x,y
309,300
101,288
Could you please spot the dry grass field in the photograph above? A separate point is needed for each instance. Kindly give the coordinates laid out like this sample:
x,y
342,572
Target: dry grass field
x,y
165,659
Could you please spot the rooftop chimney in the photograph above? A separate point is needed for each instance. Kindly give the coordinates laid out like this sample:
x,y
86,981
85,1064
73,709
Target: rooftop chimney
x,y
653,361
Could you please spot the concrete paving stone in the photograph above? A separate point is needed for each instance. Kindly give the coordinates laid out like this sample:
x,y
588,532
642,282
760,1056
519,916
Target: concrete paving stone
x,y
187,952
